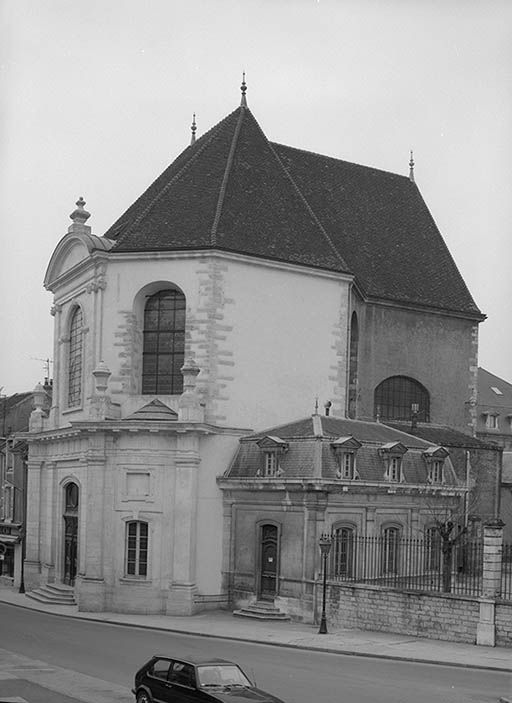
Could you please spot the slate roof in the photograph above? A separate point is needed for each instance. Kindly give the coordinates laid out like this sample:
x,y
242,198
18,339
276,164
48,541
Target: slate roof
x,y
301,458
487,398
443,436
233,190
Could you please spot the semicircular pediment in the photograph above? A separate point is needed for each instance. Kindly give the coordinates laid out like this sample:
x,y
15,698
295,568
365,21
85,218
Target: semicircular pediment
x,y
70,251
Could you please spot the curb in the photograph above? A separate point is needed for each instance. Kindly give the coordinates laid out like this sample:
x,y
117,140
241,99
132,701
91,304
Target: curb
x,y
327,650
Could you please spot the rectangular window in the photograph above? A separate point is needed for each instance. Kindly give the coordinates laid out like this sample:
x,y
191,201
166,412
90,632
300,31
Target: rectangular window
x,y
394,468
270,463
436,472
137,549
492,422
347,465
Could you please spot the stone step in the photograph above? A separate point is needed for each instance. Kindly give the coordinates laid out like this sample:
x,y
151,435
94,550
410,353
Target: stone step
x,y
53,595
247,613
261,610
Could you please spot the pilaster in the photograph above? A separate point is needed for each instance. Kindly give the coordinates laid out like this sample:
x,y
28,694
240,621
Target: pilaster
x,y
183,586
32,564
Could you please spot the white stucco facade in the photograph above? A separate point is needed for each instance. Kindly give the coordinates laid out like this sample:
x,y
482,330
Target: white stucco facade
x,y
252,329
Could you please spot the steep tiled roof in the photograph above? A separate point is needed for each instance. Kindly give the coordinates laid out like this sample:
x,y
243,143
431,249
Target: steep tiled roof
x,y
234,190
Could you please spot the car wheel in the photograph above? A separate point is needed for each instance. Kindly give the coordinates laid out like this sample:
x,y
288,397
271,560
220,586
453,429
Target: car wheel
x,y
143,697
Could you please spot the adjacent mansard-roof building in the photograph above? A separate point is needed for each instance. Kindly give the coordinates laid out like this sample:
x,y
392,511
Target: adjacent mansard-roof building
x,y
247,280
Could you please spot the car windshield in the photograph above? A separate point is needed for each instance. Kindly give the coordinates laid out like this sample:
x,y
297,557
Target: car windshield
x,y
222,675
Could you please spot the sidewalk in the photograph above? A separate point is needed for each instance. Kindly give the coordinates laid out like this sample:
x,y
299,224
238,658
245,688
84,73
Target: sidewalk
x,y
289,634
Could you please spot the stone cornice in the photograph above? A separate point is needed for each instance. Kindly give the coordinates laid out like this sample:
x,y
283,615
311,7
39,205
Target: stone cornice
x,y
338,486
228,256
84,428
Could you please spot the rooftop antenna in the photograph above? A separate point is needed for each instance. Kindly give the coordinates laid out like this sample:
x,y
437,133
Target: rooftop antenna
x,y
411,168
193,129
243,88
46,366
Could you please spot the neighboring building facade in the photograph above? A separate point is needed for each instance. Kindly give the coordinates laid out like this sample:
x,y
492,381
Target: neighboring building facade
x,y
15,412
247,280
351,479
494,424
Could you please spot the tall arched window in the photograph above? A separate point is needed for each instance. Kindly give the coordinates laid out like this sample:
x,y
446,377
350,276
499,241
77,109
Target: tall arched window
x,y
343,554
390,550
75,358
398,397
164,342
352,367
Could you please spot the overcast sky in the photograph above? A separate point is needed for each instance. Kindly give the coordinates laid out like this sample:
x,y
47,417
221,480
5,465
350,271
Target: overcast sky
x,y
97,99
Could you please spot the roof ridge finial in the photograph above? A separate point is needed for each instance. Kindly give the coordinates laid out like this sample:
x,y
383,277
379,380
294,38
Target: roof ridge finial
x,y
411,168
193,129
243,88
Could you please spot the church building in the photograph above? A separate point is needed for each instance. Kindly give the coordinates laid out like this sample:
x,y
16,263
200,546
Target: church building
x,y
248,279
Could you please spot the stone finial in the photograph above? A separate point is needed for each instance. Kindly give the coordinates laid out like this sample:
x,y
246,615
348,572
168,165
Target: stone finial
x,y
411,168
243,88
193,129
39,396
101,375
80,215
36,422
189,406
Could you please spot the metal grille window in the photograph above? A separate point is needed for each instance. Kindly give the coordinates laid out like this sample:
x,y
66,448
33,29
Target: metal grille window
x,y
137,548
432,549
390,550
75,359
164,343
343,553
395,397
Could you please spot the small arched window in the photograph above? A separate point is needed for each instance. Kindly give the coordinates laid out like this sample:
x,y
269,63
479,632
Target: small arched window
x,y
164,343
136,560
398,397
75,358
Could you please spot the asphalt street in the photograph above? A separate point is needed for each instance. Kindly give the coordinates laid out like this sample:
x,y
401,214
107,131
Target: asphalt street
x,y
109,653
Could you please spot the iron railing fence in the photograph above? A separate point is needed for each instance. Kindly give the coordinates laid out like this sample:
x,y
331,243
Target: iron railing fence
x,y
424,564
506,572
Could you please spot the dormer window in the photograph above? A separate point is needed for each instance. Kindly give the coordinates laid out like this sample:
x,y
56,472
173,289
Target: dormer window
x,y
491,420
434,458
392,454
395,468
272,450
270,463
435,474
346,449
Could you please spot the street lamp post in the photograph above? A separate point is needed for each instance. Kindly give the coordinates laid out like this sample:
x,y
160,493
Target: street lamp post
x,y
325,548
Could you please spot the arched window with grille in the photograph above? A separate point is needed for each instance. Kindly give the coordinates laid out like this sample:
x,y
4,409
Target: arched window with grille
x,y
136,555
75,358
390,550
343,553
398,397
164,342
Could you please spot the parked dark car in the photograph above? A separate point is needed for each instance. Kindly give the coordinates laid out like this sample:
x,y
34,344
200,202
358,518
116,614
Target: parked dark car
x,y
166,679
